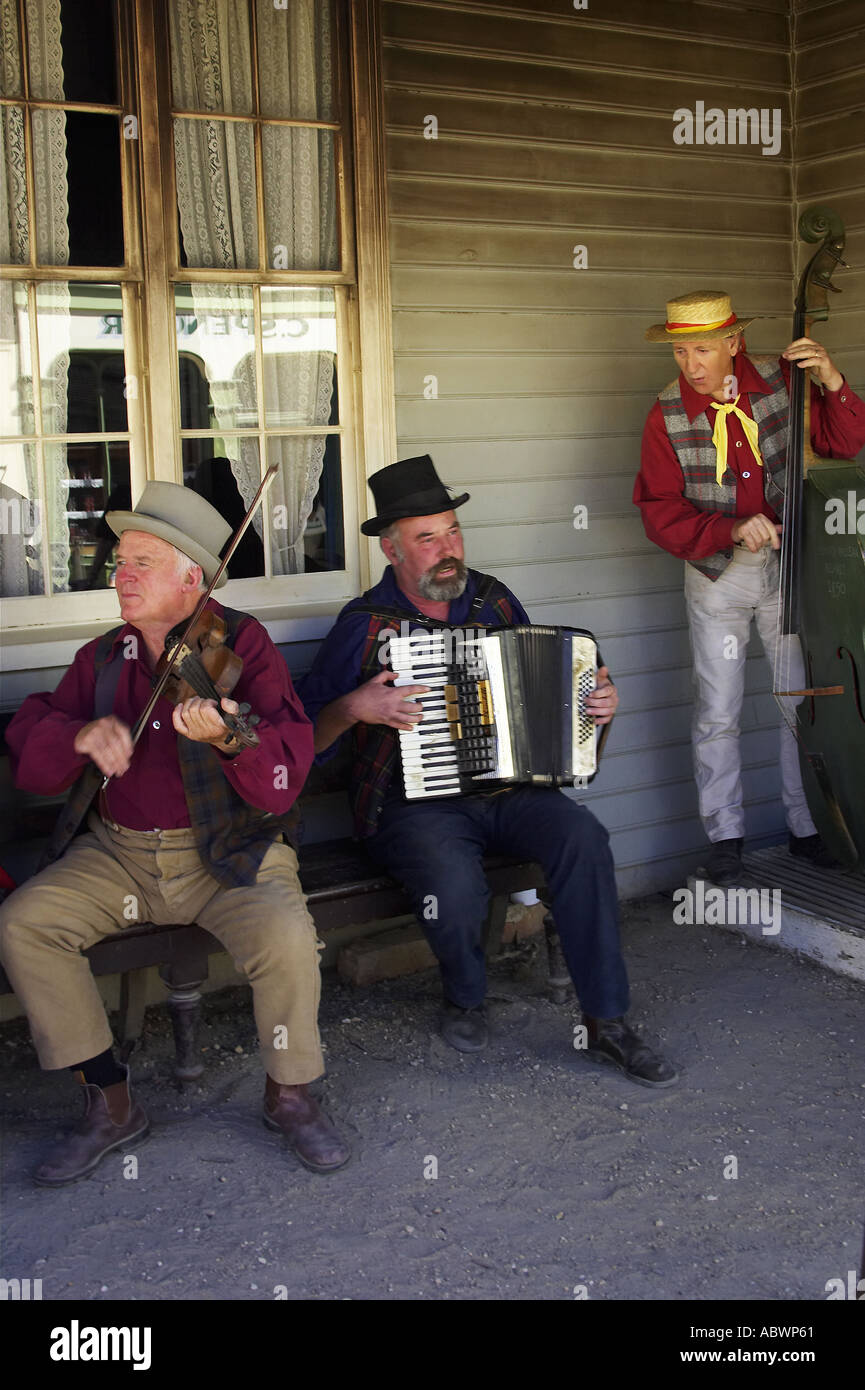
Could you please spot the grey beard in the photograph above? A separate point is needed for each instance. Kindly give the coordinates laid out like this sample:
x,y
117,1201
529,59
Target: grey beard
x,y
444,590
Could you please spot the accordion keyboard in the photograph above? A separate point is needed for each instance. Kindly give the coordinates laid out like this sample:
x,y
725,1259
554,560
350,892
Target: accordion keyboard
x,y
455,738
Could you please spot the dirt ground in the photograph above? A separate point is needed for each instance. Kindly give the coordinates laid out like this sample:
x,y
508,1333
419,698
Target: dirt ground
x,y
556,1178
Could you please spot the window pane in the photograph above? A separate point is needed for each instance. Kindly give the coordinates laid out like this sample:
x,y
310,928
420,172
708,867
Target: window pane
x,y
84,385
305,504
215,170
89,62
298,329
95,201
14,234
45,49
98,483
11,83
21,522
295,60
51,177
216,345
229,484
16,372
300,198
211,56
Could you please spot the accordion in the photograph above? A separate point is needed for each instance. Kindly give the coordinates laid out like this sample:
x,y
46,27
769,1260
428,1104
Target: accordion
x,y
503,706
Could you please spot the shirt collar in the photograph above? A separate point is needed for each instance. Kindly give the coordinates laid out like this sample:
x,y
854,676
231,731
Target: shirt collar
x,y
459,607
128,630
750,383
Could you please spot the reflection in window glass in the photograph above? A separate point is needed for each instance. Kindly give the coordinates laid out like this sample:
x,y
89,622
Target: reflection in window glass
x,y
305,504
21,522
216,330
215,477
81,358
16,372
98,482
298,331
300,211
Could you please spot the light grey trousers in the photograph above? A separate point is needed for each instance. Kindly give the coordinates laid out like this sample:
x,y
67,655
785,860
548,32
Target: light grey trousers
x,y
719,620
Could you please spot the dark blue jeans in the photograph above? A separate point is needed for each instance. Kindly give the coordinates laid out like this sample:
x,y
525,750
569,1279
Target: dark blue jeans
x,y
436,849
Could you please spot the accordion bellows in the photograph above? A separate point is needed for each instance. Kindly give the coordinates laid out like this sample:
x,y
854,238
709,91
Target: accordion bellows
x,y
504,706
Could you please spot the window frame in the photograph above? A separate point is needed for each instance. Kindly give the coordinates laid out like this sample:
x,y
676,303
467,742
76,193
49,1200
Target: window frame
x,y
367,427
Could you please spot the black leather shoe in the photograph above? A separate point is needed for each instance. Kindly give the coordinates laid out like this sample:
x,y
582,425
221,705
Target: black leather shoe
x,y
724,862
812,848
611,1040
464,1029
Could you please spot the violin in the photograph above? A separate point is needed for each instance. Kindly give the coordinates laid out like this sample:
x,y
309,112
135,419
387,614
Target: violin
x,y
823,586
202,664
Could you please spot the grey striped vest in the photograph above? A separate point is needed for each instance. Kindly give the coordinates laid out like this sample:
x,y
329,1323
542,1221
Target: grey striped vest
x,y
696,453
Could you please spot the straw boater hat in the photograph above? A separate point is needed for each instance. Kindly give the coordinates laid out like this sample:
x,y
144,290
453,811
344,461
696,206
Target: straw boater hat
x,y
410,487
702,315
183,518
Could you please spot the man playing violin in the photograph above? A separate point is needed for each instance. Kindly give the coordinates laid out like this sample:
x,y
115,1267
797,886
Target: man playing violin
x,y
436,848
710,490
191,827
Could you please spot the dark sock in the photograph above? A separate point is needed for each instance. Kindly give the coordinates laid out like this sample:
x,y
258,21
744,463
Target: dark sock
x,y
101,1071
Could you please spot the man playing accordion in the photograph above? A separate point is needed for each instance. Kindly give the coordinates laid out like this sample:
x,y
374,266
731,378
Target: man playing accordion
x,y
436,847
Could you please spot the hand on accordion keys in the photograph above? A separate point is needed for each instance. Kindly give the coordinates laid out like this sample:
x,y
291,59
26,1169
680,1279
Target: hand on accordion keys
x,y
604,699
377,701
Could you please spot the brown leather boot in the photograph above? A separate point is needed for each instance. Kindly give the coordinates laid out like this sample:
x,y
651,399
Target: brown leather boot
x,y
111,1120
314,1138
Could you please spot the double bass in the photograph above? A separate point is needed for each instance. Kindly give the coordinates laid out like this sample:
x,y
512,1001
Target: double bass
x,y
823,587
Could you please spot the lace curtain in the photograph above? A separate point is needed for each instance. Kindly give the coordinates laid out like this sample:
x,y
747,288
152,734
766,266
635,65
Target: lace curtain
x,y
20,566
211,68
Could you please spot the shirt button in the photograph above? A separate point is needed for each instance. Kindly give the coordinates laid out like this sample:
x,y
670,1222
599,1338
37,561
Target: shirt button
x,y
843,399
156,724
738,443
746,475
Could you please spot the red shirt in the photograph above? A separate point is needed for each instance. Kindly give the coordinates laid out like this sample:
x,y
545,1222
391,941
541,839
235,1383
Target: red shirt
x,y
674,523
150,796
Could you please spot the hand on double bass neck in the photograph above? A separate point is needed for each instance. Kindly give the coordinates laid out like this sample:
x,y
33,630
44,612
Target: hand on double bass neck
x,y
808,353
757,532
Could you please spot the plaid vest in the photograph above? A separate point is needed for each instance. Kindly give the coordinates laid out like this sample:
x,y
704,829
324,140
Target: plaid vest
x,y
231,836
375,747
697,456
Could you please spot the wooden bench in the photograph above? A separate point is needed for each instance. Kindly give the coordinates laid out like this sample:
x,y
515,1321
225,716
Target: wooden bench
x,y
343,888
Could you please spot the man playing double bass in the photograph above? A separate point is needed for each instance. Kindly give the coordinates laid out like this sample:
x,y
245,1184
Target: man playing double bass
x,y
191,827
710,490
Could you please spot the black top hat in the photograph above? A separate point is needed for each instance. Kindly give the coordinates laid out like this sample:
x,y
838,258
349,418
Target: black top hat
x,y
410,487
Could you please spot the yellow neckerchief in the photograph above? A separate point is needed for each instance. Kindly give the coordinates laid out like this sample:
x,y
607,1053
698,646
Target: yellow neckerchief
x,y
719,436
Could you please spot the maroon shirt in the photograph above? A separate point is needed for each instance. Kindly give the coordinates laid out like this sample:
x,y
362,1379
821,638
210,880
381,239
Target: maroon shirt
x,y
150,796
672,521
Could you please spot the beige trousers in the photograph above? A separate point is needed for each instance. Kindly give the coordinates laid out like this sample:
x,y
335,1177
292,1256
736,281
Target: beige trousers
x,y
111,878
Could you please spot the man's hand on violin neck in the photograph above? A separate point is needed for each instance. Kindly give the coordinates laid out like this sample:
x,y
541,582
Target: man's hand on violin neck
x,y
108,743
201,721
809,353
758,531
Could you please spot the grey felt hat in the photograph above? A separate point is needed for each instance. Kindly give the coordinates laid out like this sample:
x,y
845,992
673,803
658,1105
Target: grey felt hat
x,y
183,518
